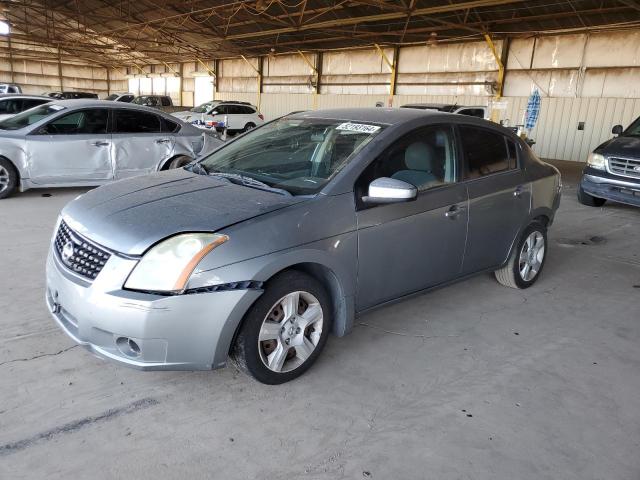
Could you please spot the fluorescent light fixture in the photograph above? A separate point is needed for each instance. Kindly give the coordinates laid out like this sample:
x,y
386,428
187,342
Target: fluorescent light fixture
x,y
4,27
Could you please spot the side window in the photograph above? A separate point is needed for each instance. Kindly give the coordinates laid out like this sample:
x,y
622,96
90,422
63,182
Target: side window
x,y
513,154
472,112
169,126
132,121
222,109
27,104
9,107
485,152
248,110
77,123
424,158
165,101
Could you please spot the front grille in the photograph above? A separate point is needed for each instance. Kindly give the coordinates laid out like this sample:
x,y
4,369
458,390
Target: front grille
x,y
79,255
629,167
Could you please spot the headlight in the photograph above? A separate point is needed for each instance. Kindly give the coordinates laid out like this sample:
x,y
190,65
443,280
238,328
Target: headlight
x,y
168,266
596,161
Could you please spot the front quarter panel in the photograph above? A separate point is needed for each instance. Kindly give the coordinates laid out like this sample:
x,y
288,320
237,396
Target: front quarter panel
x,y
13,148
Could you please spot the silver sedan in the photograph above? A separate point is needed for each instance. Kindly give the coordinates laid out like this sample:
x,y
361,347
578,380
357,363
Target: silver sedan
x,y
289,231
91,142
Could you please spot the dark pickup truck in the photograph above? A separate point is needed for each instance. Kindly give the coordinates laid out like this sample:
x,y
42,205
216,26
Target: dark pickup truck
x,y
613,170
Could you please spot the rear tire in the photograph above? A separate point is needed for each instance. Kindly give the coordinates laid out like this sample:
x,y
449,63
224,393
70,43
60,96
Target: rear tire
x,y
249,126
526,260
589,200
8,178
284,332
179,161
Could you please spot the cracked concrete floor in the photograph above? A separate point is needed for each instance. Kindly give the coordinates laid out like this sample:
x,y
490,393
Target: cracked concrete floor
x,y
473,381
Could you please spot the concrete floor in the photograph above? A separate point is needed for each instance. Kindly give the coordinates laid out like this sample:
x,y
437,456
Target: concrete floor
x,y
474,381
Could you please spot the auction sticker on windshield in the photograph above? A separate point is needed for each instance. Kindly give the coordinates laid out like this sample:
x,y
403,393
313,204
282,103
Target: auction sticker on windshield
x,y
358,127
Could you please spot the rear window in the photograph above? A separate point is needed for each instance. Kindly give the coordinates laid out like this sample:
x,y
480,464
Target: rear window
x,y
169,126
485,152
132,121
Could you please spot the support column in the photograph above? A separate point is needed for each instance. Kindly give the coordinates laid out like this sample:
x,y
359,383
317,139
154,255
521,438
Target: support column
x,y
393,67
60,71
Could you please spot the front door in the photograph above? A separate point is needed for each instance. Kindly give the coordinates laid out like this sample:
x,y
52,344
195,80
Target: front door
x,y
499,196
72,148
139,143
407,247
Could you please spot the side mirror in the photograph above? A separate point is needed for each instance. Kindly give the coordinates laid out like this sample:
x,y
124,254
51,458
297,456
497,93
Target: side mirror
x,y
214,113
390,190
617,130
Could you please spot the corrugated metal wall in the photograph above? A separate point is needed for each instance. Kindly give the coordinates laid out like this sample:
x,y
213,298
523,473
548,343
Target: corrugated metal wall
x,y
55,73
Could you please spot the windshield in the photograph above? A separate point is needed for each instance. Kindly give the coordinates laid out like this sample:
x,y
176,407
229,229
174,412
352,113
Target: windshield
x,y
113,96
296,155
634,129
204,108
29,117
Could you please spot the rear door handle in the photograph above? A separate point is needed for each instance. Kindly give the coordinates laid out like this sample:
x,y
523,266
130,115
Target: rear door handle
x,y
100,144
518,191
454,211
163,140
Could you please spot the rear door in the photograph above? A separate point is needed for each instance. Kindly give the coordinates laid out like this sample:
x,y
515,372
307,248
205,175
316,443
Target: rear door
x,y
139,143
499,196
74,147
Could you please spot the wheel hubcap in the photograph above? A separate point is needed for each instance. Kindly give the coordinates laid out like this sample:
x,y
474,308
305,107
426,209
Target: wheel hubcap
x,y
4,179
531,256
290,332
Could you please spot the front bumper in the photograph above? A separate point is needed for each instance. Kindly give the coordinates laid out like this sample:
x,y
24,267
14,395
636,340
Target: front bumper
x,y
601,184
180,332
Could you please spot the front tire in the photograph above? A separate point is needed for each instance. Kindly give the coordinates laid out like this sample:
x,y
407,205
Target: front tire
x,y
589,200
526,260
8,178
284,332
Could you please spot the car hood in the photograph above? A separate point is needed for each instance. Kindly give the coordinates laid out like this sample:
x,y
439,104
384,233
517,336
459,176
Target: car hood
x,y
622,146
131,215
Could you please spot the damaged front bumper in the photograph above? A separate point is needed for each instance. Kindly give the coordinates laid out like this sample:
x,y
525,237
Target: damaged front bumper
x,y
140,330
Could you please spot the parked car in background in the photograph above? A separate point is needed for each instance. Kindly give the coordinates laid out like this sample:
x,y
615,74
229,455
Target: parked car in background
x,y
240,117
154,101
121,97
90,142
71,95
477,111
12,104
285,234
613,170
198,115
10,88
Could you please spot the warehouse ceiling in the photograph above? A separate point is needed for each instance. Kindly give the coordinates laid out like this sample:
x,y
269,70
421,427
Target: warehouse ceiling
x,y
126,32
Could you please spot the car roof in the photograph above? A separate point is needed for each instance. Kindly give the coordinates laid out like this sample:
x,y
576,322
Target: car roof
x,y
92,102
388,116
22,95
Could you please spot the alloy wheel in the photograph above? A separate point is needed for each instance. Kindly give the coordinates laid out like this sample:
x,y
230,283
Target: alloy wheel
x,y
290,332
4,179
531,256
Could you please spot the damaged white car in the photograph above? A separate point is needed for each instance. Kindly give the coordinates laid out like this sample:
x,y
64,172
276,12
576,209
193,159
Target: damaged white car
x,y
91,142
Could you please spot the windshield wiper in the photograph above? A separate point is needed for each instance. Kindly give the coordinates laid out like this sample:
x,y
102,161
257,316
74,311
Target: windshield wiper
x,y
247,181
197,168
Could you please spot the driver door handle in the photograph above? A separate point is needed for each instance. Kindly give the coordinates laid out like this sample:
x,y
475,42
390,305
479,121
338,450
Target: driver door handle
x,y
163,140
100,143
454,211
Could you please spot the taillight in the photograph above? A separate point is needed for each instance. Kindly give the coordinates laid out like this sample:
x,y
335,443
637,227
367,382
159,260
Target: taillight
x,y
261,116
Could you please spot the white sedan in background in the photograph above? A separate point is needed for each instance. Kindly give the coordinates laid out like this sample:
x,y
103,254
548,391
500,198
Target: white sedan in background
x,y
240,116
